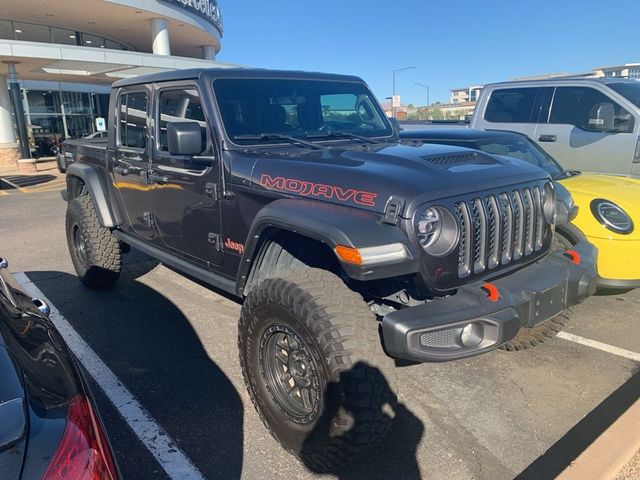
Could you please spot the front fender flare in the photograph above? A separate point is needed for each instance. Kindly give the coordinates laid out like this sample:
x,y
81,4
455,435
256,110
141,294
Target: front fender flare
x,y
97,187
332,225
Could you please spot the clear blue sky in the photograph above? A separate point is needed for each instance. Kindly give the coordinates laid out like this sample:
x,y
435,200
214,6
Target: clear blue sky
x,y
451,43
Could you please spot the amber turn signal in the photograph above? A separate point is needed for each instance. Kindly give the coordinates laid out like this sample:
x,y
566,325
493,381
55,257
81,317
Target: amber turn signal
x,y
349,254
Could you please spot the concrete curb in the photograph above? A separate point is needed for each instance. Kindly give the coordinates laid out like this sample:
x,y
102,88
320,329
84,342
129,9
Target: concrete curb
x,y
610,452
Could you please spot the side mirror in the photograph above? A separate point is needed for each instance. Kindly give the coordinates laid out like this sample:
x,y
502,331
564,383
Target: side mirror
x,y
602,117
185,138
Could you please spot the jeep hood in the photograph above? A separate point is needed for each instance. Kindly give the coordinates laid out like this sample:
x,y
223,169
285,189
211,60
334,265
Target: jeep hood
x,y
366,177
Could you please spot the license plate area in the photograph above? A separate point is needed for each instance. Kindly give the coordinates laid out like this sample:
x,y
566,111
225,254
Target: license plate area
x,y
546,304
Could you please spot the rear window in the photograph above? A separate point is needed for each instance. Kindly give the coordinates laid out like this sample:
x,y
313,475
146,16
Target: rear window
x,y
133,120
511,105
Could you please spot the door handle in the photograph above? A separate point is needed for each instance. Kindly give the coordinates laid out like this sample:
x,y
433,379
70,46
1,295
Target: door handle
x,y
121,170
547,138
159,179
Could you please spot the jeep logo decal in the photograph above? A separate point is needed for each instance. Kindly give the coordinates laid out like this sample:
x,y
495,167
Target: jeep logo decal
x,y
319,190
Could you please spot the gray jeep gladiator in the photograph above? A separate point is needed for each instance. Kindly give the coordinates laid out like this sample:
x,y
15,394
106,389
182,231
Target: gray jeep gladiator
x,y
349,251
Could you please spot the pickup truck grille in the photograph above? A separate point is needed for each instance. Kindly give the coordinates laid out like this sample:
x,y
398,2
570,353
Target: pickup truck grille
x,y
499,229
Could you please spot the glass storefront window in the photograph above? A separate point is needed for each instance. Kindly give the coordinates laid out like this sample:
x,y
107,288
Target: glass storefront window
x,y
6,30
79,126
63,36
43,101
76,103
46,130
31,32
114,45
92,41
49,126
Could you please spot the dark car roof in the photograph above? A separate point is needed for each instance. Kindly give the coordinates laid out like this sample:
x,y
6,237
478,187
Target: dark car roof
x,y
214,73
448,134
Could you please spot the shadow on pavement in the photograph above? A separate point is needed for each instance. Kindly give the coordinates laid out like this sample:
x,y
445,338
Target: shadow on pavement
x,y
394,458
560,455
152,348
25,180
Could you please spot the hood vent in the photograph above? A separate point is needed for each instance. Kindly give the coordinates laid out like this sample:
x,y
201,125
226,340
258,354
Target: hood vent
x,y
458,159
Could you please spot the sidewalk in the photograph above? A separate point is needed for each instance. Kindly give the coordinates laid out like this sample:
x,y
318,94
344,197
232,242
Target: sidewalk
x,y
631,470
614,455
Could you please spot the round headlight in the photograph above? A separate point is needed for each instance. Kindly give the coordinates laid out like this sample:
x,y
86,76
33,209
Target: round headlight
x,y
437,231
611,216
549,203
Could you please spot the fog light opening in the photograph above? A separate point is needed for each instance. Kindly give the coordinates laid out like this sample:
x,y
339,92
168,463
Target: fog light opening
x,y
471,335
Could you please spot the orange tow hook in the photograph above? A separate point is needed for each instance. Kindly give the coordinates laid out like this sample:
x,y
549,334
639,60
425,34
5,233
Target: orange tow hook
x,y
492,290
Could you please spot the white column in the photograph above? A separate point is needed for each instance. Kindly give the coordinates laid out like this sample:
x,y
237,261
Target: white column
x,y
208,52
160,36
7,133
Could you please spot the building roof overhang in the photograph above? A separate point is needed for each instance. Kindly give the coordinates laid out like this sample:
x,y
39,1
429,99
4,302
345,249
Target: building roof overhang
x,y
68,63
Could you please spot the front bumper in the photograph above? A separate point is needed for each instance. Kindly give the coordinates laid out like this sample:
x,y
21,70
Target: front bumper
x,y
528,297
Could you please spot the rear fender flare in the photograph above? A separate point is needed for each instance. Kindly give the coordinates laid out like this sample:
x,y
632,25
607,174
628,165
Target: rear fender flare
x,y
97,188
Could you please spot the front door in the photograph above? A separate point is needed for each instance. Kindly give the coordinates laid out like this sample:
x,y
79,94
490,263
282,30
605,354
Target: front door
x,y
130,162
186,209
569,137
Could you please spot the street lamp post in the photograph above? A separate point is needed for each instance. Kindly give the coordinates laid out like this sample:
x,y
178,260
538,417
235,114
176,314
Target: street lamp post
x,y
426,87
395,72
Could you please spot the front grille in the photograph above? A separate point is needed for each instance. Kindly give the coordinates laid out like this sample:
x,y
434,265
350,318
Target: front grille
x,y
498,230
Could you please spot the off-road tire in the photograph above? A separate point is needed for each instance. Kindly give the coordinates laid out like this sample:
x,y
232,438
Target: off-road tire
x,y
98,261
530,337
341,335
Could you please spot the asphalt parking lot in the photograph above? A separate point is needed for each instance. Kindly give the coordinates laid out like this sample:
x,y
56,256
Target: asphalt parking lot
x,y
171,344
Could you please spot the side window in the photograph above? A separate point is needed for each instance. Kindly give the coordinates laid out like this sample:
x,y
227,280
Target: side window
x,y
133,120
576,106
179,105
511,105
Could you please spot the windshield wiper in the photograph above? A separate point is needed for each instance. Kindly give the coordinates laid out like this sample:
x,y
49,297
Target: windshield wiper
x,y
277,136
332,134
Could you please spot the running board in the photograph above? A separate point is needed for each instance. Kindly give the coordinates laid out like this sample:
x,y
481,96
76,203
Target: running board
x,y
202,274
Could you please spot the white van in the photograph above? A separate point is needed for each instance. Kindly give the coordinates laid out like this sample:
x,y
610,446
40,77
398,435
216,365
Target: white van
x,y
587,124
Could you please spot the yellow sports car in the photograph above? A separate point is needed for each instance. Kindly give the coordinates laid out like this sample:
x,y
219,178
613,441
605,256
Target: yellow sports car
x,y
609,206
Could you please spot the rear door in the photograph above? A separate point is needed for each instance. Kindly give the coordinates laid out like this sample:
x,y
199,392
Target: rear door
x,y
185,202
515,109
131,159
568,135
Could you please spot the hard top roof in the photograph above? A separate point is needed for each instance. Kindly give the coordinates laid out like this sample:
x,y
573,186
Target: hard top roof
x,y
214,73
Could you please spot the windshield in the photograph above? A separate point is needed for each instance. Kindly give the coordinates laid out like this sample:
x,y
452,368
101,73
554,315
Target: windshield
x,y
522,149
257,111
630,91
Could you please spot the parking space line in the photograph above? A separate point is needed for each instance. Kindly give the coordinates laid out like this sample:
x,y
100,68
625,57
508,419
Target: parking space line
x,y
2,192
621,352
170,457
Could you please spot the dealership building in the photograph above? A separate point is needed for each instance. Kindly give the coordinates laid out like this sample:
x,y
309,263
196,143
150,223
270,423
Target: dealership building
x,y
58,58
